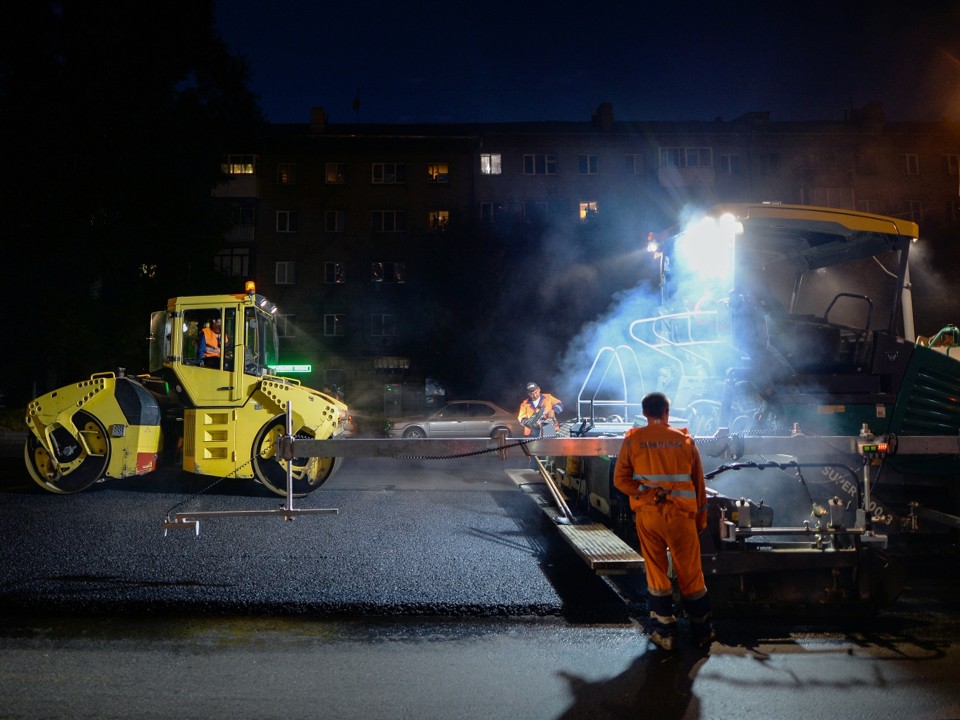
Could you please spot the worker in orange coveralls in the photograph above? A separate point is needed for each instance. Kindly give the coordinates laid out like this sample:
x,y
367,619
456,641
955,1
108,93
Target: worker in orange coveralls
x,y
538,413
659,468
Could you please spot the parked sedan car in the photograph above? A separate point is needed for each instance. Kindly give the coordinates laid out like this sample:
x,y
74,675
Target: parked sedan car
x,y
461,418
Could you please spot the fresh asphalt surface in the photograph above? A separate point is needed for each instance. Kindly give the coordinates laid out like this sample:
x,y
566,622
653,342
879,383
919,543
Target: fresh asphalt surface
x,y
437,591
451,538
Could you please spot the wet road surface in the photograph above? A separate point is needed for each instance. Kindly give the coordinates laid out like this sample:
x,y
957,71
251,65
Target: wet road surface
x,y
437,591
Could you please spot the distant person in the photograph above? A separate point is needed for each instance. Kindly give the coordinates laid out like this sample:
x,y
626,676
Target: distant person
x,y
659,468
538,413
208,350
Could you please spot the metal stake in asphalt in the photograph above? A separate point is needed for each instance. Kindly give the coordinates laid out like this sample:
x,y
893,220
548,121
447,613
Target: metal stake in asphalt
x,y
284,451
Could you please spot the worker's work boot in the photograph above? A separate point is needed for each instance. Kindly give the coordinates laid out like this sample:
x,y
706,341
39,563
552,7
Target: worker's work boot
x,y
663,623
701,626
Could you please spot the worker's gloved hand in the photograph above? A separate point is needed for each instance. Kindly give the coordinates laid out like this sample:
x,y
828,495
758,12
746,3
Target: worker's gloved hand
x,y
701,521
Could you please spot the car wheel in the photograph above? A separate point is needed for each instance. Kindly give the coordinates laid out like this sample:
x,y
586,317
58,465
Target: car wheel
x,y
497,430
414,432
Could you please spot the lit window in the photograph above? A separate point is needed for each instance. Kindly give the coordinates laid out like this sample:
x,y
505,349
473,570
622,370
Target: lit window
x,y
286,173
287,221
286,274
438,220
238,165
336,173
334,273
438,172
388,272
589,211
490,163
588,164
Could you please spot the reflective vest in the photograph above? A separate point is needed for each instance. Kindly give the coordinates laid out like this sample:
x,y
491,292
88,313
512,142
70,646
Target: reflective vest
x,y
658,464
527,410
213,343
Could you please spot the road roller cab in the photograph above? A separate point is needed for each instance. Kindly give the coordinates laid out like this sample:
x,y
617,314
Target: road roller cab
x,y
209,404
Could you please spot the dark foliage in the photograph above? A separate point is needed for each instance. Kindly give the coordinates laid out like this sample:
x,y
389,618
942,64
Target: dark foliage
x,y
115,116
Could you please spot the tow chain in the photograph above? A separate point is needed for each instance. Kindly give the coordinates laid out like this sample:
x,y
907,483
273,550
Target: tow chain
x,y
212,485
498,449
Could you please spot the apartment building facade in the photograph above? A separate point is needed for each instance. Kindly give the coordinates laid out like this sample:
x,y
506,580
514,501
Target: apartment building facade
x,y
386,246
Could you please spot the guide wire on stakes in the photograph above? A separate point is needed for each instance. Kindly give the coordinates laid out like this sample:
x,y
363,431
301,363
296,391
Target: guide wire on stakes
x,y
287,511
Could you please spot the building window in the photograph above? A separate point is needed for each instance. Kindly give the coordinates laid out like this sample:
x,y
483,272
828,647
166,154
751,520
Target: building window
x,y
287,221
686,157
285,274
490,211
285,325
869,206
953,210
234,262
238,165
286,173
865,165
388,173
383,325
334,273
671,157
334,325
729,164
769,163
438,220
438,172
540,164
588,164
915,211
534,212
699,157
490,164
389,221
336,173
951,164
589,211
911,164
388,272
633,164
335,221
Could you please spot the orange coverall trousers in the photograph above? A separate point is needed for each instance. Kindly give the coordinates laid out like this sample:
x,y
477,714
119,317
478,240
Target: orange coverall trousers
x,y
663,525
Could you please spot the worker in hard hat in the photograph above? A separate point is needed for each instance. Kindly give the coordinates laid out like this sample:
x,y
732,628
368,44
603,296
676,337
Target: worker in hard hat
x,y
659,468
538,412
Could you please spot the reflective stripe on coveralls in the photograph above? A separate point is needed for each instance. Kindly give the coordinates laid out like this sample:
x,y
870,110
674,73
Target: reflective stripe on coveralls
x,y
659,468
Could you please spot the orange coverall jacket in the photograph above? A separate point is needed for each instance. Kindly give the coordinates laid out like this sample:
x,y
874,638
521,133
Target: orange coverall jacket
x,y
659,468
527,410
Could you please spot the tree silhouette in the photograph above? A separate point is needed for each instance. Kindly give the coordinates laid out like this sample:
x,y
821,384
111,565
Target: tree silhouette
x,y
115,117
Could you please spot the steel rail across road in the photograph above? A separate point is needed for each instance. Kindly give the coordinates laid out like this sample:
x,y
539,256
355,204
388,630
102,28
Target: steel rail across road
x,y
711,446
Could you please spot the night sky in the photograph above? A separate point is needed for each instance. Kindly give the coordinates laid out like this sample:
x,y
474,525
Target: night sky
x,y
447,62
